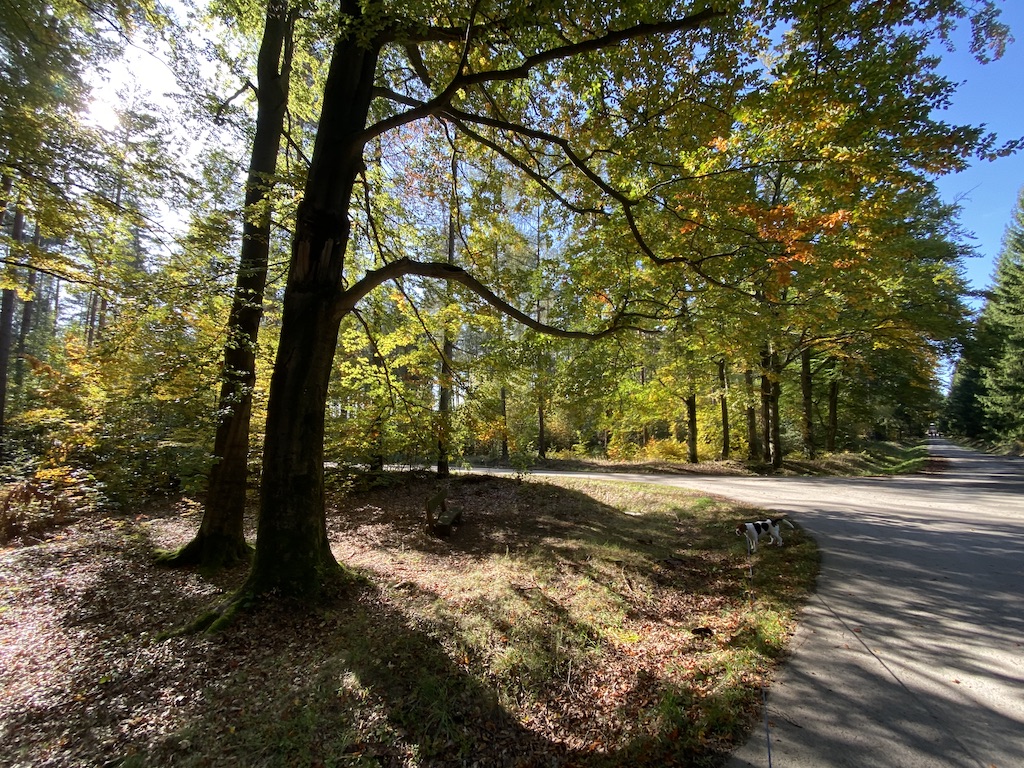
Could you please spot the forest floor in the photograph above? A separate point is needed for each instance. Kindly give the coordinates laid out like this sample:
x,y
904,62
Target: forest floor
x,y
566,622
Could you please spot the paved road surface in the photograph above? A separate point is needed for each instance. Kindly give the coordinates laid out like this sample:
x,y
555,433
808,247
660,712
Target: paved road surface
x,y
911,653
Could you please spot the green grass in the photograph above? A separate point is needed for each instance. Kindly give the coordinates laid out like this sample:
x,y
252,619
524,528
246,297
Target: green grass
x,y
871,459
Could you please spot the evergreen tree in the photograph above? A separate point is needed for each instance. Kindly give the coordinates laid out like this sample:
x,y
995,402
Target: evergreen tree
x,y
1003,375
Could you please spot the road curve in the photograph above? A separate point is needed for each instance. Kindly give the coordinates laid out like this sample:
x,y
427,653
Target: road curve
x,y
910,652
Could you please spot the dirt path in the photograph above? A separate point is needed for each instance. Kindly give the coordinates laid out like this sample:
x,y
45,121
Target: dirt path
x,y
910,653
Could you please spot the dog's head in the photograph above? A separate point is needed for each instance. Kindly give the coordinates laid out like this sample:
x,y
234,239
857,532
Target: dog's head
x,y
741,529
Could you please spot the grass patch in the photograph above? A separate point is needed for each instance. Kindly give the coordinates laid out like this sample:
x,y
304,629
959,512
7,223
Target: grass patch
x,y
871,460
567,622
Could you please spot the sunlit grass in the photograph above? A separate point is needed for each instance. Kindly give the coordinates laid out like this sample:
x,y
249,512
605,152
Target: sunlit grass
x,y
606,609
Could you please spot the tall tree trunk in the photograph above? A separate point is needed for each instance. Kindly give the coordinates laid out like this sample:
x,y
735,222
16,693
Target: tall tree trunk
x,y
833,408
766,407
444,407
6,337
8,299
807,398
753,439
27,312
90,319
542,440
643,428
56,306
444,394
221,538
691,428
776,396
723,384
771,390
293,556
504,423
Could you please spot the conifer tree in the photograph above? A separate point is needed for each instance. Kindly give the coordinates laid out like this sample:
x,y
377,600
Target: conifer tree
x,y
1003,318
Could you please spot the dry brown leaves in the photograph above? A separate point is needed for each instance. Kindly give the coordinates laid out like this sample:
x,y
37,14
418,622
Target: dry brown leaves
x,y
418,668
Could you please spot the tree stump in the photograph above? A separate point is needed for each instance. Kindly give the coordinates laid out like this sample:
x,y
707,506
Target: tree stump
x,y
441,518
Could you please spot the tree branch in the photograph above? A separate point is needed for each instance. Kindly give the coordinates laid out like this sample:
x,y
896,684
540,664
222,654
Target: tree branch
x,y
348,299
464,78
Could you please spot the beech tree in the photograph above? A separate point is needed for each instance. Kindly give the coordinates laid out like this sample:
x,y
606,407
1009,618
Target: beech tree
x,y
220,540
531,84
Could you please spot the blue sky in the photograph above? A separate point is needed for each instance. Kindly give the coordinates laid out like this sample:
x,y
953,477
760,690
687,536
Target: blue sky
x,y
990,94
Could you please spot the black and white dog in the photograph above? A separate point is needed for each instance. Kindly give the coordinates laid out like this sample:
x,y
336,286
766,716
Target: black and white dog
x,y
755,530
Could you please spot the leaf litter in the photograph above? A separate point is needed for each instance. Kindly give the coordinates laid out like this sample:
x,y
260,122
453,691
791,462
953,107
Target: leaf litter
x,y
555,627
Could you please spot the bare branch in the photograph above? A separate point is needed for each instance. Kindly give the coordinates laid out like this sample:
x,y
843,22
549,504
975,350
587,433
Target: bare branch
x,y
218,117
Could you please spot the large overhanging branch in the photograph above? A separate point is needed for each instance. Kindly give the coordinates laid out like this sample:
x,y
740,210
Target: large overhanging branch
x,y
349,298
608,40
465,78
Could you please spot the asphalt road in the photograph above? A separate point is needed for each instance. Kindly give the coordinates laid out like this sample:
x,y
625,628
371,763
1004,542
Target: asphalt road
x,y
911,652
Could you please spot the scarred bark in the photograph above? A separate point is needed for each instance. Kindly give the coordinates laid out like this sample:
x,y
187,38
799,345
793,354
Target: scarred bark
x,y
293,556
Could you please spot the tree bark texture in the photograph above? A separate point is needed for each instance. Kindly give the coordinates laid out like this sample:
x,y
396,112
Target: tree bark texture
x,y
293,556
221,538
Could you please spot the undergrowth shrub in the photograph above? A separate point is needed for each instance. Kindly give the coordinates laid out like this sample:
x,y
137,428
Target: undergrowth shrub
x,y
48,499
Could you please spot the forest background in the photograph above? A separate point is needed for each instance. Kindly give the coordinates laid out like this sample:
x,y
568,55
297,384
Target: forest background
x,y
670,233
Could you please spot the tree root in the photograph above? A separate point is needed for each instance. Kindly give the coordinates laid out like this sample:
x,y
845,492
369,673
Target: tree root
x,y
207,551
339,583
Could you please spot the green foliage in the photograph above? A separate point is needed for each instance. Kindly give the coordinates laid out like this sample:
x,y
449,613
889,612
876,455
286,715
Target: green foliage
x,y
134,414
986,399
727,191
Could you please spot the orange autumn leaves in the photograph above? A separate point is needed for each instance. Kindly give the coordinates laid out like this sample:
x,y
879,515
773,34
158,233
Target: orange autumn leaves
x,y
798,235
